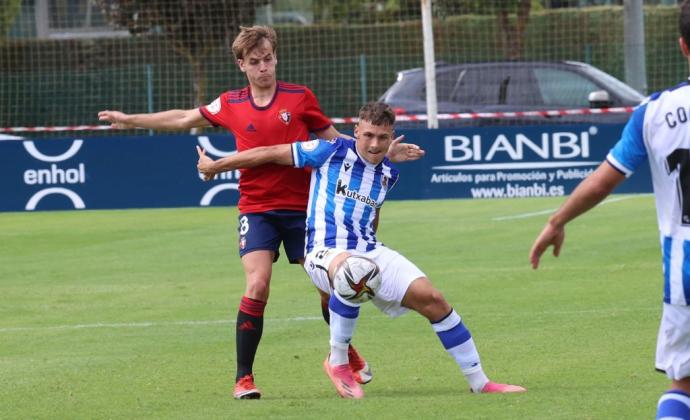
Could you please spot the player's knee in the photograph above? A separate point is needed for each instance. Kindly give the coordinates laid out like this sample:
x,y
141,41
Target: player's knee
x,y
436,298
425,299
435,305
258,287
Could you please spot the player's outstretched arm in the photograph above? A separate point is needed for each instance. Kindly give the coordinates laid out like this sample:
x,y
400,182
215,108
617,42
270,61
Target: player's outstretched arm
x,y
174,119
397,152
330,133
280,154
588,194
404,152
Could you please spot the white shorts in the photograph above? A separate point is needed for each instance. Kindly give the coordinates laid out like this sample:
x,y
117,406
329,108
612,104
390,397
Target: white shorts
x,y
673,343
397,273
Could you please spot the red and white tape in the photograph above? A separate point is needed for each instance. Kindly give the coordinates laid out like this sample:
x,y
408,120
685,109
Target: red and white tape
x,y
51,129
353,120
518,114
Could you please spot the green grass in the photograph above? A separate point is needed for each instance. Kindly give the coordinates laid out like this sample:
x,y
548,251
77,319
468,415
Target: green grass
x,y
128,314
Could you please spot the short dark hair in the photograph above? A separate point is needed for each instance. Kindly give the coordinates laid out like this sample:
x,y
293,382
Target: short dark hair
x,y
377,113
684,21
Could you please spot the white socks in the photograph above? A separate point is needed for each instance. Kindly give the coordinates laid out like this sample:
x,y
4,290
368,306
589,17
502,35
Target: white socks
x,y
343,321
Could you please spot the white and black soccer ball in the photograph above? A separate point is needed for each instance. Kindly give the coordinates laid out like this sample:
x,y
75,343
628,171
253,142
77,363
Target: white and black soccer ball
x,y
357,279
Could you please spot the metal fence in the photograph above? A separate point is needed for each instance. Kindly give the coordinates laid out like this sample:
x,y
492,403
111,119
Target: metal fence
x,y
61,61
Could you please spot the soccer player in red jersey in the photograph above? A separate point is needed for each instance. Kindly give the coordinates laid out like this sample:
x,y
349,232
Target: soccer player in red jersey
x,y
273,198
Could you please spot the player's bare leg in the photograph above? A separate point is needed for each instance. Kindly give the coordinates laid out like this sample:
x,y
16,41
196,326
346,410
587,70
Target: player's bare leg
x,y
258,266
675,403
422,297
681,384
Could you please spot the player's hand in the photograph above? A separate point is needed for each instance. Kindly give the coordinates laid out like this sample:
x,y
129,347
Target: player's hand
x,y
205,164
115,118
549,236
404,152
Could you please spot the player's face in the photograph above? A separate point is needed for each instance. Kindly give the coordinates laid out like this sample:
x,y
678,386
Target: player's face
x,y
373,141
260,66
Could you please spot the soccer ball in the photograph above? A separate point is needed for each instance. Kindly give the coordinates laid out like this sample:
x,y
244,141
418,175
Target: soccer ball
x,y
357,279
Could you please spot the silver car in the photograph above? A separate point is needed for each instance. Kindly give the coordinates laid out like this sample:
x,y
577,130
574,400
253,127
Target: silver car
x,y
510,86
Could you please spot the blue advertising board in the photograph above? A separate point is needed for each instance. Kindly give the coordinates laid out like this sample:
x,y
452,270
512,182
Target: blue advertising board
x,y
111,173
160,171
509,162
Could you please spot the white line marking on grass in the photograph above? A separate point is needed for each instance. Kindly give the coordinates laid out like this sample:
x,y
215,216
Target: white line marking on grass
x,y
524,215
594,311
147,324
549,211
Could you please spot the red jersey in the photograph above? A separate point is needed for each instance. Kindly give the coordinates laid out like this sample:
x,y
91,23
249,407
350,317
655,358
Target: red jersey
x,y
290,116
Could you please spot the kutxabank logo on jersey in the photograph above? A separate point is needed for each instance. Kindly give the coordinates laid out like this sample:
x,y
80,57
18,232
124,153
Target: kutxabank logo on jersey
x,y
547,156
343,190
58,178
227,178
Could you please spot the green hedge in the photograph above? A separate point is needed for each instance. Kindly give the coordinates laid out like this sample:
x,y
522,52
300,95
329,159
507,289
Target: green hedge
x,y
68,82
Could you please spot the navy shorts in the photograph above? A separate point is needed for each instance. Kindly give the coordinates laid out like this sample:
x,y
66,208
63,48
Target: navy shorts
x,y
265,231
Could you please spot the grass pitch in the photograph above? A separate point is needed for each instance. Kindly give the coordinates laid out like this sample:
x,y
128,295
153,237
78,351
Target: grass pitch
x,y
129,314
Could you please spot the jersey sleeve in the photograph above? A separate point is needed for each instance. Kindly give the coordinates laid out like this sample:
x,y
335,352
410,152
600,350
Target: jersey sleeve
x,y
630,150
313,116
212,111
312,153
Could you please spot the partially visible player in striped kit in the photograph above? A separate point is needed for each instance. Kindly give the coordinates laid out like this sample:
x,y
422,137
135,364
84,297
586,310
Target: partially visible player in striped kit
x,y
658,131
349,183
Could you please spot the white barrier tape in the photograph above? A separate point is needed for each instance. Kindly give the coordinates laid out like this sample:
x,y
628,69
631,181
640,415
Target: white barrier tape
x,y
404,117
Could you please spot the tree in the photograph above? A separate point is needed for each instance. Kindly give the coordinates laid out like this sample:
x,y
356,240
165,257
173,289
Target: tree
x,y
9,9
192,27
365,11
513,31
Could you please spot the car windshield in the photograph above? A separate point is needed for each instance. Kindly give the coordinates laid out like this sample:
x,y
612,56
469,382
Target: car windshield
x,y
616,86
564,88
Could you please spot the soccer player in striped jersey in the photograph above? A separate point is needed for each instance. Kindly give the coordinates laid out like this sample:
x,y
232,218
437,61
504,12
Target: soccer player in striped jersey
x,y
658,131
349,183
273,199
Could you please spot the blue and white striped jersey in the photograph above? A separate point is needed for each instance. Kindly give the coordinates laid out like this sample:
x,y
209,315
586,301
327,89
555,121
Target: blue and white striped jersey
x,y
344,194
659,130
